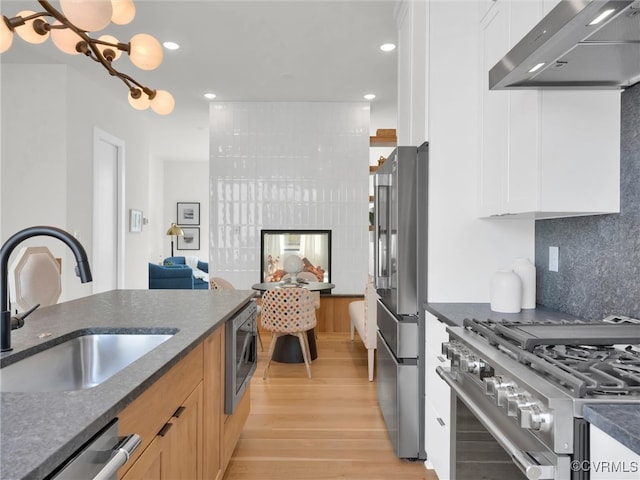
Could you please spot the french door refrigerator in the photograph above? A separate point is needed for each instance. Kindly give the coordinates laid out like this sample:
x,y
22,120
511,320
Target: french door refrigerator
x,y
401,201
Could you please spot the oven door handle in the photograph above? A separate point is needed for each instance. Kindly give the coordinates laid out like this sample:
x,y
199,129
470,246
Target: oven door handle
x,y
532,469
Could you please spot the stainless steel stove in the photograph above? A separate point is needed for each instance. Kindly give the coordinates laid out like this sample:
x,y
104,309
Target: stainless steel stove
x,y
527,384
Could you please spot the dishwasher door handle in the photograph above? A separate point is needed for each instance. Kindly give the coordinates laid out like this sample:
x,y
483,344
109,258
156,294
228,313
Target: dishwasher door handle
x,y
122,454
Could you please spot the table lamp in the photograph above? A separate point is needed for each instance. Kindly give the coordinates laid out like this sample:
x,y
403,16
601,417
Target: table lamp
x,y
174,230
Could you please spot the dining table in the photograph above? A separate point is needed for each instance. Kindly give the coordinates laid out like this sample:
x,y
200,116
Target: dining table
x,y
287,349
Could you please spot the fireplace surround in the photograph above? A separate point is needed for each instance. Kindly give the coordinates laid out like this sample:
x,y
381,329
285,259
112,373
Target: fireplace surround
x,y
312,246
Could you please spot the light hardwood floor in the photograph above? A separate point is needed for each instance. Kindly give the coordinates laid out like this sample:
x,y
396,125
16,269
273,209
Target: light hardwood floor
x,y
329,427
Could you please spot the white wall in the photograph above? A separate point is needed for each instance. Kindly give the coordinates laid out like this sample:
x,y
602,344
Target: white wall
x,y
48,116
186,181
463,250
289,166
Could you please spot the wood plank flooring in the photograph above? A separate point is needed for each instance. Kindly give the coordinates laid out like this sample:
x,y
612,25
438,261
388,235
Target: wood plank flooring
x,y
329,427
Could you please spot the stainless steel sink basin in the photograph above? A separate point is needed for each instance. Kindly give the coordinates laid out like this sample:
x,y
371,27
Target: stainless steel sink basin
x,y
78,363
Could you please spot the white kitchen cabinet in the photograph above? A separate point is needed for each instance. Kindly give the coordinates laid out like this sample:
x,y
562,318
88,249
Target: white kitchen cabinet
x,y
438,400
610,459
545,153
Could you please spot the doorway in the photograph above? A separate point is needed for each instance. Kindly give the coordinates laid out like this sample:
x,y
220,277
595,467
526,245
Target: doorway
x,y
108,212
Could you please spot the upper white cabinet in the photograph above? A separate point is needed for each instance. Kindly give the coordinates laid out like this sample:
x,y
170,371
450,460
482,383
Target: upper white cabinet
x,y
545,153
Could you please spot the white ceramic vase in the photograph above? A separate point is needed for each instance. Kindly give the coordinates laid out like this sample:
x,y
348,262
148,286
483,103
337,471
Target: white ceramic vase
x,y
506,292
527,273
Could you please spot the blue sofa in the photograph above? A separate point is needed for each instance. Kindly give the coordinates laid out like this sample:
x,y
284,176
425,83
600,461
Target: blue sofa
x,y
175,274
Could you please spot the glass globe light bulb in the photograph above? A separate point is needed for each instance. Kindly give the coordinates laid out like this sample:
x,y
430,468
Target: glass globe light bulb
x,y
123,11
26,31
6,36
110,39
90,16
141,103
162,103
65,39
145,51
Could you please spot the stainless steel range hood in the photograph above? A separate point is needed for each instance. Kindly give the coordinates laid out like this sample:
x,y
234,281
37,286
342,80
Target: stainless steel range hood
x,y
571,51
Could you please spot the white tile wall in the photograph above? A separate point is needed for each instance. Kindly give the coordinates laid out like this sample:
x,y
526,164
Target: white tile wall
x,y
301,165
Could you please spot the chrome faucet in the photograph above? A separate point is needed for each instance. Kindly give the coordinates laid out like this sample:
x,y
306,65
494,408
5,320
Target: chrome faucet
x,y
82,270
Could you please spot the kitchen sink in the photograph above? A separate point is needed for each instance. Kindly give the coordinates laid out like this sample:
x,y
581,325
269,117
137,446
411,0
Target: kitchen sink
x,y
81,362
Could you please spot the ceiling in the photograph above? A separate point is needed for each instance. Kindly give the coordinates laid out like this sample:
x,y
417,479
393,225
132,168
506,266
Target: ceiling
x,y
261,50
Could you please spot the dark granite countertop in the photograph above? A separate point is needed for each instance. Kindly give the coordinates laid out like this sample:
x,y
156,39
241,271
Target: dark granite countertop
x,y
40,430
453,314
621,422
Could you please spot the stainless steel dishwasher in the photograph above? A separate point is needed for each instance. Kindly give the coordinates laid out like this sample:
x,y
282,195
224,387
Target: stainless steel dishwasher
x,y
101,457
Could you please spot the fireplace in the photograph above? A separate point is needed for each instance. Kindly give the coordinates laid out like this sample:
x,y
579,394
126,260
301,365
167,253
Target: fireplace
x,y
312,246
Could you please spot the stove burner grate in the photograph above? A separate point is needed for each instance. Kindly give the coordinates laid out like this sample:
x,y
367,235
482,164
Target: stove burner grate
x,y
585,370
597,370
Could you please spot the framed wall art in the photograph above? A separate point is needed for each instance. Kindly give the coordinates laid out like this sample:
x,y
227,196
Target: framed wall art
x,y
188,213
190,240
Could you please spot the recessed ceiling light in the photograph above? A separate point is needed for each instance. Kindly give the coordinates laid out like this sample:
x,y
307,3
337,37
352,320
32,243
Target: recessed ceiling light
x,y
171,45
210,96
369,96
387,47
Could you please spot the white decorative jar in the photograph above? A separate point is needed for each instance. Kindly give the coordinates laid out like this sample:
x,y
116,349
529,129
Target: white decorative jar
x,y
506,292
527,273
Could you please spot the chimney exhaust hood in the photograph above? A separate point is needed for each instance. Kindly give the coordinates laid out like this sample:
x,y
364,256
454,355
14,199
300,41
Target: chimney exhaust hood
x,y
580,44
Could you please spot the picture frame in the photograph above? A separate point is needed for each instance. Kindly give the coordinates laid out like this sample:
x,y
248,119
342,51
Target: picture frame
x,y
190,240
188,213
135,220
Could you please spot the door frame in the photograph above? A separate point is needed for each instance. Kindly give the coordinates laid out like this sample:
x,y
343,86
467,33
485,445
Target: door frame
x,y
101,135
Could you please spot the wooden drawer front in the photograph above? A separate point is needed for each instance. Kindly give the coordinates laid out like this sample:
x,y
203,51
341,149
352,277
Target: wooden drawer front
x,y
147,414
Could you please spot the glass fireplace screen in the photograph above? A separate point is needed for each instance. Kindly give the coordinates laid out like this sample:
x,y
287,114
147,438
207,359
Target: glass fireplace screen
x,y
312,246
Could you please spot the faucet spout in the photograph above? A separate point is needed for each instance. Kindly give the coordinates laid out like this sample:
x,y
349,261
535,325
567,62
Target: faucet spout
x,y
82,270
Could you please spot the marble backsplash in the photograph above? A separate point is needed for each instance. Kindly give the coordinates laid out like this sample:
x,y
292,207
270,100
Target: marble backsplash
x,y
599,256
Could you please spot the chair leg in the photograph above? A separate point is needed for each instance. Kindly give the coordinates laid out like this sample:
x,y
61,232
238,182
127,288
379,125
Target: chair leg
x,y
370,353
305,350
352,330
272,347
260,340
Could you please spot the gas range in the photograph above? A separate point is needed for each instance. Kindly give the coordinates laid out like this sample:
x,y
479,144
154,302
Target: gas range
x,y
528,382
587,359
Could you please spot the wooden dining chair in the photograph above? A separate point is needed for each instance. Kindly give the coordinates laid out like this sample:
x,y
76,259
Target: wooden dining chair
x,y
34,278
288,311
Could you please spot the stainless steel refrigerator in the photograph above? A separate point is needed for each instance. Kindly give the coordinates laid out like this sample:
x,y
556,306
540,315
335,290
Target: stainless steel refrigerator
x,y
401,202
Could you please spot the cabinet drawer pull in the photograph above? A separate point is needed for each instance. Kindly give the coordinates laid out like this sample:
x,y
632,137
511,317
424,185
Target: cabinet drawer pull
x,y
441,359
440,421
179,411
165,428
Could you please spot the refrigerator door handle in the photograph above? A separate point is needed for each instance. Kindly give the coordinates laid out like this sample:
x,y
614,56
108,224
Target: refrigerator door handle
x,y
382,235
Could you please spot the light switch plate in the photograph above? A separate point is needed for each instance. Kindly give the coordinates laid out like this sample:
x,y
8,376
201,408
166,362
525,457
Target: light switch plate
x,y
553,259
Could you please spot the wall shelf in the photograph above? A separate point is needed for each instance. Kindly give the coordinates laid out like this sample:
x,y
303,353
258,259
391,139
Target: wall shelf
x,y
378,141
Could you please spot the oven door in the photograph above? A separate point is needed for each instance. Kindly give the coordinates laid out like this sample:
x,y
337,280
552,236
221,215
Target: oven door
x,y
478,425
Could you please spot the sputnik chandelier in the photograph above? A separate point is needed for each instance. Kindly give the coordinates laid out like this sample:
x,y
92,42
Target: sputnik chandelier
x,y
69,31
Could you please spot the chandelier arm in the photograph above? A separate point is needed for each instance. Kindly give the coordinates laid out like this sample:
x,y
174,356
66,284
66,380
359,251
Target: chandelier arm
x,y
91,43
127,79
87,46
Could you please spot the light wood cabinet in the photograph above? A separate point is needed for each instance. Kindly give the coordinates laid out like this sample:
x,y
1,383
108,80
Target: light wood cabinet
x,y
185,432
185,450
545,153
168,417
175,452
213,405
153,465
